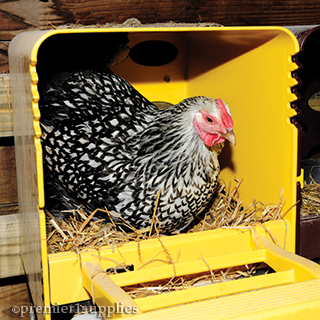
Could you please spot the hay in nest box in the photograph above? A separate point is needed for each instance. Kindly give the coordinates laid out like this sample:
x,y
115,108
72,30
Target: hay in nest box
x,y
227,210
310,199
81,231
195,280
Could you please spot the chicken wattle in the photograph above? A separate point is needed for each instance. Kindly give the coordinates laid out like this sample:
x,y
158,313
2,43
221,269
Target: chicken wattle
x,y
106,146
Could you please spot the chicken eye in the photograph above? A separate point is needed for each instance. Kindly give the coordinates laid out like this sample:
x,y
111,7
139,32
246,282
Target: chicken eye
x,y
209,120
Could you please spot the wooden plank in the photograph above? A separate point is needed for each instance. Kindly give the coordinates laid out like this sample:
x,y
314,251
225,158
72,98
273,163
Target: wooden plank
x,y
15,295
24,15
6,123
10,254
4,66
8,176
9,208
19,15
232,12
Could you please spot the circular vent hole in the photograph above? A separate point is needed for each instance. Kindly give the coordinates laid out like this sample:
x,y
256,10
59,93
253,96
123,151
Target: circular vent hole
x,y
153,53
314,101
162,104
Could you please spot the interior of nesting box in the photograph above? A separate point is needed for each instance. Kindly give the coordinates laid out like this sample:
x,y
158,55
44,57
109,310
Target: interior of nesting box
x,y
248,69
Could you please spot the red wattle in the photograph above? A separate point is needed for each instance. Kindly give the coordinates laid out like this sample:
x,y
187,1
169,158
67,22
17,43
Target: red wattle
x,y
208,138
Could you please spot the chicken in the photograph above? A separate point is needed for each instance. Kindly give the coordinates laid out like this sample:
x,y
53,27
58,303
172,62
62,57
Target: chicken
x,y
106,146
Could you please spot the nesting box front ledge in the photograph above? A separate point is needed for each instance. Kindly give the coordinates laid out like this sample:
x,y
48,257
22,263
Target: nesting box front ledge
x,y
107,290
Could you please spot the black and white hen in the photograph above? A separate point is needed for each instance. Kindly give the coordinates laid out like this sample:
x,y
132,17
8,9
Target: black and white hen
x,y
106,146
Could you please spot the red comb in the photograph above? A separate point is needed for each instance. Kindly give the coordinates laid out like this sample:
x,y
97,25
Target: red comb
x,y
225,115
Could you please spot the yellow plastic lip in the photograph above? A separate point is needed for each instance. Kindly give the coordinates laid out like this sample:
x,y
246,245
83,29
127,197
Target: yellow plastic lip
x,y
300,178
43,35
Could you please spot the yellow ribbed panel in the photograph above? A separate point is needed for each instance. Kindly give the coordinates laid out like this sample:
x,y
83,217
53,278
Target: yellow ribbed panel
x,y
295,302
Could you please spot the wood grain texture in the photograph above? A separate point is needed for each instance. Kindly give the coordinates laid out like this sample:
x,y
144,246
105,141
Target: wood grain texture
x,y
8,177
4,66
11,208
24,15
6,124
20,15
14,295
10,252
230,12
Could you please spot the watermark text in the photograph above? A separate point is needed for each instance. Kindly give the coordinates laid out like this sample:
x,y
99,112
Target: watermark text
x,y
107,311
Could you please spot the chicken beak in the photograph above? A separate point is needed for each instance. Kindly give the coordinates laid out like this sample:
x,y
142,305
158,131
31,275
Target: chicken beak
x,y
229,135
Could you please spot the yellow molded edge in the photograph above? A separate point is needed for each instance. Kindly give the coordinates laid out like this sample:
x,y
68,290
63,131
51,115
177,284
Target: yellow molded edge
x,y
104,291
293,301
45,265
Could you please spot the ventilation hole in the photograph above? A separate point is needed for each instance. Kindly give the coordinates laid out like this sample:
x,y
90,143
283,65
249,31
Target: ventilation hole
x,y
314,101
162,104
314,152
153,53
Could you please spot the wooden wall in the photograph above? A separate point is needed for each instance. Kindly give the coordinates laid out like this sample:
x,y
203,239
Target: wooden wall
x,y
25,15
21,15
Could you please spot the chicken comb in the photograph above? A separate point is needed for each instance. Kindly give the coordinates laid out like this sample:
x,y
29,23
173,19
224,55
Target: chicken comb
x,y
225,115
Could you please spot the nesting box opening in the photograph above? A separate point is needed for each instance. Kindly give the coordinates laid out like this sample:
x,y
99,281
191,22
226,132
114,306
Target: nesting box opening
x,y
199,63
249,68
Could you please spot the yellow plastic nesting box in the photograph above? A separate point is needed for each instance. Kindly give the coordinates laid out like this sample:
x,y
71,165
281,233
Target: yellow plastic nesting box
x,y
249,68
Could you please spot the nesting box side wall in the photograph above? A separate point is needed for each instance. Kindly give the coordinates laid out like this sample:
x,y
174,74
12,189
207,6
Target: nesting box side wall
x,y
27,142
253,75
